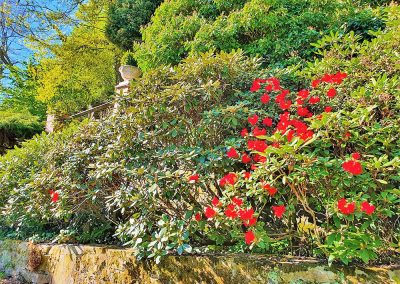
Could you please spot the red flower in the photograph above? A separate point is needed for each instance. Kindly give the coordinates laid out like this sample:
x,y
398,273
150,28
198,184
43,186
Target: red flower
x,y
315,83
256,85
194,178
253,119
353,167
230,178
246,158
281,97
249,237
290,135
314,100
356,156
304,94
279,210
367,208
246,214
328,109
259,159
344,207
232,153
347,135
54,196
275,82
197,217
284,105
265,98
237,201
215,202
257,145
244,132
331,93
259,131
268,88
246,175
271,190
303,111
267,121
230,211
276,145
209,213
250,222
253,167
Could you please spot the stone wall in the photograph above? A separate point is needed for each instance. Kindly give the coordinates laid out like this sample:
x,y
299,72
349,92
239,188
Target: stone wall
x,y
70,264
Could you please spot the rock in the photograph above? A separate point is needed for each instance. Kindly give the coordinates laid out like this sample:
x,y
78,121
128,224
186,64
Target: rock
x,y
73,264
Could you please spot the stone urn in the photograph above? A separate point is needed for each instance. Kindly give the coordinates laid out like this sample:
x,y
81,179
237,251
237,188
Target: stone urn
x,y
129,72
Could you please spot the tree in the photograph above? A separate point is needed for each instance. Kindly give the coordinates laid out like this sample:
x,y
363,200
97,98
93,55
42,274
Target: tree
x,y
82,70
125,18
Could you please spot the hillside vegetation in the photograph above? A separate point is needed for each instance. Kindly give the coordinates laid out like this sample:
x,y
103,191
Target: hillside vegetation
x,y
225,152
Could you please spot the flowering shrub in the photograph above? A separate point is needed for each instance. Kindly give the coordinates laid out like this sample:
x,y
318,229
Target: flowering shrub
x,y
294,180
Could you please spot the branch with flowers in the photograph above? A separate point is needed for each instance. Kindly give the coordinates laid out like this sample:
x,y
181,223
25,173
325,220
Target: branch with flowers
x,y
273,195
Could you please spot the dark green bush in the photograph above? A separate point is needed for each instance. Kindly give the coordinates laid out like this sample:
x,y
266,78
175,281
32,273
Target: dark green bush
x,y
125,17
280,31
17,125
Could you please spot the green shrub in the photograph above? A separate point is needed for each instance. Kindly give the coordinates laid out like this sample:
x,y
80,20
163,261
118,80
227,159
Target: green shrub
x,y
17,125
280,31
125,17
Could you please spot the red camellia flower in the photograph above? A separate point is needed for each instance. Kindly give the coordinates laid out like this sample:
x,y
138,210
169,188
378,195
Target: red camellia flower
x,y
356,156
250,222
279,210
328,109
244,132
230,211
249,237
271,190
265,98
353,167
194,178
344,207
209,213
197,217
257,145
253,119
275,82
246,175
268,88
237,201
303,111
367,208
246,158
54,196
246,214
331,93
259,131
315,83
259,159
284,105
215,202
267,121
304,94
232,153
230,178
314,100
256,85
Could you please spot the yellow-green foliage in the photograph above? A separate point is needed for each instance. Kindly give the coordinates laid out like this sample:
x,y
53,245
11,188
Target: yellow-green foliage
x,y
82,71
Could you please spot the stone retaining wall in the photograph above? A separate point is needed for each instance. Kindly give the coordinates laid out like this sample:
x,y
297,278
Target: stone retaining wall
x,y
71,264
